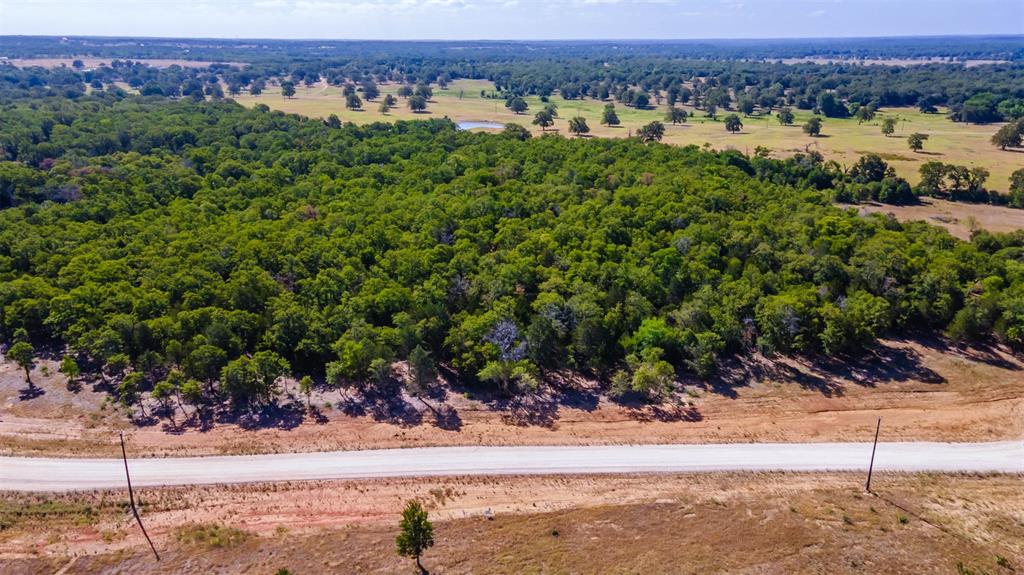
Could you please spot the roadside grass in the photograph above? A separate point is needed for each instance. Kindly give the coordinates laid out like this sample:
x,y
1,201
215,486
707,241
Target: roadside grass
x,y
843,140
210,535
763,522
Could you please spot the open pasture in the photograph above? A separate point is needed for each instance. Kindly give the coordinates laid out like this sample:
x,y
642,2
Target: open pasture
x,y
842,140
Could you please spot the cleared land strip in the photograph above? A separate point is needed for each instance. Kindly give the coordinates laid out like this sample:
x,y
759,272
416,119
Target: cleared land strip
x,y
45,474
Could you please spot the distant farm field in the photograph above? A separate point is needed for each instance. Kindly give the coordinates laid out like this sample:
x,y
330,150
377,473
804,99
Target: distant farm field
x,y
842,140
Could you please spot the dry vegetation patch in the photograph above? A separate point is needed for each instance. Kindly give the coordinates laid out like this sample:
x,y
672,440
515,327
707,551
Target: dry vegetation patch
x,y
719,523
958,217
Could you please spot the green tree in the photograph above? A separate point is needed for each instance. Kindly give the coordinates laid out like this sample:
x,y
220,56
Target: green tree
x,y
916,141
889,126
578,125
69,367
117,364
164,392
422,371
517,105
380,371
387,103
205,362
306,388
416,533
192,394
417,103
287,89
128,391
870,168
516,132
831,107
544,119
353,102
510,376
609,117
896,191
733,123
786,116
23,354
370,90
251,382
813,126
404,91
1017,188
933,179
853,325
676,115
648,375
1009,136
652,132
424,91
865,114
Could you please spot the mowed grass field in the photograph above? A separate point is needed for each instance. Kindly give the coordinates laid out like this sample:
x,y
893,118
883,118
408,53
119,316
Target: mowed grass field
x,y
842,140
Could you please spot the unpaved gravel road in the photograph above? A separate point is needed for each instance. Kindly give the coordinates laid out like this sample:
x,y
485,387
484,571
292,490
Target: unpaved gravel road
x,y
45,474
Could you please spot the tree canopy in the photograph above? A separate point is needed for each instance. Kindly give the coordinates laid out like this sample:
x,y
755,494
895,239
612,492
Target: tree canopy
x,y
238,246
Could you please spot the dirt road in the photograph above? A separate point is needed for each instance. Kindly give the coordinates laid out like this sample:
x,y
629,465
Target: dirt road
x,y
46,474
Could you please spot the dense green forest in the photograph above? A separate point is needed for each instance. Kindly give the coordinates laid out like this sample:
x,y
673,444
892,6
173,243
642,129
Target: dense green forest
x,y
204,245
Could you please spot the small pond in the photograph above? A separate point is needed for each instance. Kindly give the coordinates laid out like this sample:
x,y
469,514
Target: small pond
x,y
480,125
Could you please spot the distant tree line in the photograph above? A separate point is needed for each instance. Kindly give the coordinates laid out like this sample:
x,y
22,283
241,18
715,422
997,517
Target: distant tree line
x,y
977,94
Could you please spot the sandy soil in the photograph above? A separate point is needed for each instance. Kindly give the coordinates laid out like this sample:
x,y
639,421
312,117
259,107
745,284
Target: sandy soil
x,y
767,523
958,217
924,390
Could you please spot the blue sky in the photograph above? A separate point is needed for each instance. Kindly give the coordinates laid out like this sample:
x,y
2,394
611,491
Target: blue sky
x,y
511,19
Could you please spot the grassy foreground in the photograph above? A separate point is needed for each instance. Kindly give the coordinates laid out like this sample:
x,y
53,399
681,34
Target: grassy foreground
x,y
843,140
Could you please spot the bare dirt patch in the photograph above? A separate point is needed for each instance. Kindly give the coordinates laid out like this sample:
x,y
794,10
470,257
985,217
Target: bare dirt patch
x,y
924,390
746,523
960,218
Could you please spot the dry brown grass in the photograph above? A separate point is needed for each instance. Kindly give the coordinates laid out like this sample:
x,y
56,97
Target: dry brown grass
x,y
959,218
734,523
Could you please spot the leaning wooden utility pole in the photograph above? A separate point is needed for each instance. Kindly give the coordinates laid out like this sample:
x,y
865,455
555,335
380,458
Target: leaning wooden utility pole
x,y
131,498
871,466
